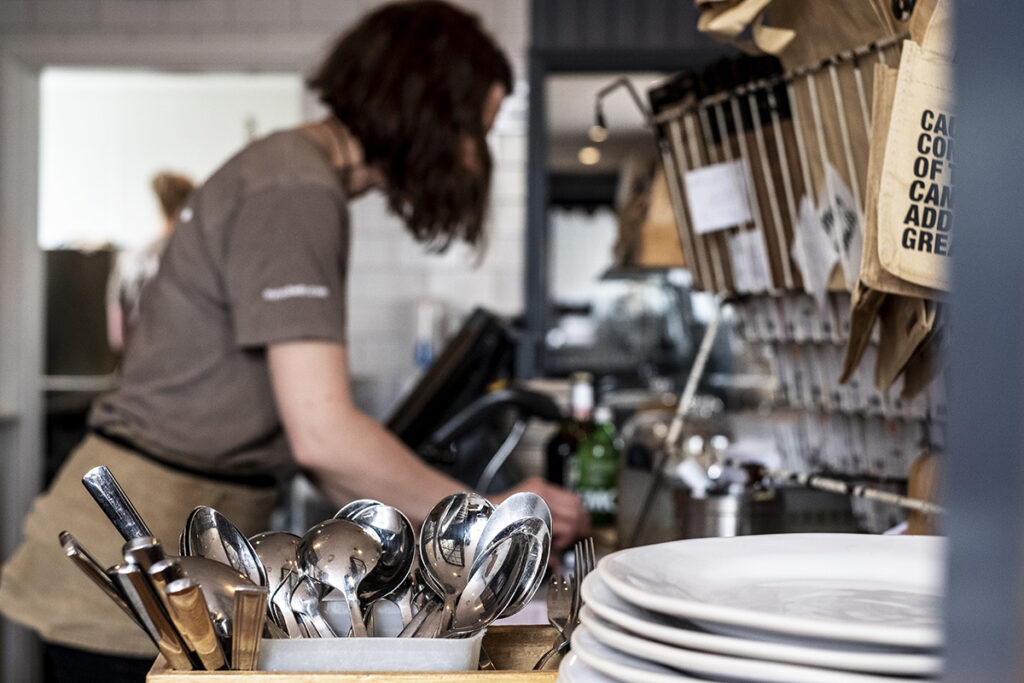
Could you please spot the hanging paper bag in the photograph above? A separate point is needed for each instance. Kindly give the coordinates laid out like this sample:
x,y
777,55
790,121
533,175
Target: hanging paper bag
x,y
915,203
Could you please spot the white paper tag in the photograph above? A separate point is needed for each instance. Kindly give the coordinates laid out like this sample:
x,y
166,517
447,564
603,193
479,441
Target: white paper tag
x,y
841,219
717,196
749,245
813,252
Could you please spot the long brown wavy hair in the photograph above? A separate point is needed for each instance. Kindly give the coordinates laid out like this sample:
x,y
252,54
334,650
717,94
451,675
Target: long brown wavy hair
x,y
410,81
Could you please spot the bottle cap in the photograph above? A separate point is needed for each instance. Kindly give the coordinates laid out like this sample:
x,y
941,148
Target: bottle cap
x,y
602,414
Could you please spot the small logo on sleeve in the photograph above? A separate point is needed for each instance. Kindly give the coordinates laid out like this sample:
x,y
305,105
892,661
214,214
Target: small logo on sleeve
x,y
295,292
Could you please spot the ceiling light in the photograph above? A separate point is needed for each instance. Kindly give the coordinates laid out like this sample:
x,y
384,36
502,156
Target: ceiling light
x,y
598,133
589,156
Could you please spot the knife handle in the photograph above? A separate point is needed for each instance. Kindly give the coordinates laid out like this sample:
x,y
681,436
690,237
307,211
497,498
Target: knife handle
x,y
111,498
192,617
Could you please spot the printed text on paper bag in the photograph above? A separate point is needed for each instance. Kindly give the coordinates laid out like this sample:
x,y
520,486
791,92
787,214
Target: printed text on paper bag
x,y
928,225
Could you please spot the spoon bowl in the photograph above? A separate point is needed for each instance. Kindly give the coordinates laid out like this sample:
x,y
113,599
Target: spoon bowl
x,y
210,534
397,542
448,545
276,552
340,554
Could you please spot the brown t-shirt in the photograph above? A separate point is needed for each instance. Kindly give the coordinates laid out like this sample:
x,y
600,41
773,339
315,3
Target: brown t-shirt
x,y
258,256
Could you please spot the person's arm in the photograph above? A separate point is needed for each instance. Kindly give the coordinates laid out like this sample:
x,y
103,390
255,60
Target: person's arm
x,y
348,453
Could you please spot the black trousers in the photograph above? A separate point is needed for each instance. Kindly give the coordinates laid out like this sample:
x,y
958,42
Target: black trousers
x,y
70,665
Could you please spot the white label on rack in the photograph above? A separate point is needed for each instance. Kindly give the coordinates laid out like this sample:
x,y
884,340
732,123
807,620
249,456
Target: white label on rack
x,y
717,196
813,252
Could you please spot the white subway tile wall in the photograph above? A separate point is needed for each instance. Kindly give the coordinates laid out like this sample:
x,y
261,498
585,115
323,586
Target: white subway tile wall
x,y
389,272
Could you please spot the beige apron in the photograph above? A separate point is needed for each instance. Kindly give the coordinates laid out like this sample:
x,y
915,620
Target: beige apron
x,y
41,588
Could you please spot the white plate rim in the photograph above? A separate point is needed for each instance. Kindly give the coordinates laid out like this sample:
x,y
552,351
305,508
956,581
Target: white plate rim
x,y
710,614
716,664
892,663
574,669
617,669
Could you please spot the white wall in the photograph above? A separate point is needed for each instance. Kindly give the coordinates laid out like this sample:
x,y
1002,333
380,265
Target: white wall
x,y
104,133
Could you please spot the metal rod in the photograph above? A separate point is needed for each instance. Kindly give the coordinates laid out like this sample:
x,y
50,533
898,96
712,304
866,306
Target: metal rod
x,y
815,481
877,48
787,180
773,202
865,104
675,429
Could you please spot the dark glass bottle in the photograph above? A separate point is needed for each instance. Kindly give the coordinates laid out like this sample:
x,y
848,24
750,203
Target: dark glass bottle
x,y
562,448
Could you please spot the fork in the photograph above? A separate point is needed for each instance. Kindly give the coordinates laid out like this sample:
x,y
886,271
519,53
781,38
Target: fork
x,y
583,553
559,602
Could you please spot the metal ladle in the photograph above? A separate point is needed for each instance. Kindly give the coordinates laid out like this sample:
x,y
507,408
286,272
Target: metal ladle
x,y
397,542
341,554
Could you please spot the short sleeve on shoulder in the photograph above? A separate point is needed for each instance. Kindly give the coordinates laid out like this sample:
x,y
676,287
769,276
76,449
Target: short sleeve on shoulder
x,y
285,268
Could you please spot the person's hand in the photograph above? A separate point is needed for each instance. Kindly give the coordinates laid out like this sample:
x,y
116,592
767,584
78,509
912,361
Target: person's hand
x,y
569,520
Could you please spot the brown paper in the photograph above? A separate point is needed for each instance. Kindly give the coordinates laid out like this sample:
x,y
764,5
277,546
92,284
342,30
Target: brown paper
x,y
931,26
905,324
924,484
865,303
915,210
824,29
926,363
659,238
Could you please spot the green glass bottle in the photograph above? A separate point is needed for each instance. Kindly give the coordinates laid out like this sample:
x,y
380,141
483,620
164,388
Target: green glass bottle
x,y
598,467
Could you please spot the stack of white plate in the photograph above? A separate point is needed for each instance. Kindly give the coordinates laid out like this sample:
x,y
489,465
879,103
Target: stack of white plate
x,y
788,608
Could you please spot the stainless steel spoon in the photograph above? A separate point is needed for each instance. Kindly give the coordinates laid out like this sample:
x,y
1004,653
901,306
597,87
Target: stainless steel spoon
x,y
514,508
341,554
305,603
493,583
397,543
276,551
536,547
218,582
448,544
210,534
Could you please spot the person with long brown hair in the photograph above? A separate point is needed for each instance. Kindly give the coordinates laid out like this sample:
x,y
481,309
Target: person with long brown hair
x,y
237,375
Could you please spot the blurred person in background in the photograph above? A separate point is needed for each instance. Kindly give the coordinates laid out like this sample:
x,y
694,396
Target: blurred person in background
x,y
237,375
134,268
